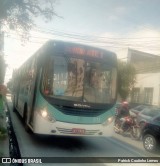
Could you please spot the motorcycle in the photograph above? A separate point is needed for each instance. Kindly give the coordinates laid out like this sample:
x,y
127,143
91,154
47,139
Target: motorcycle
x,y
127,125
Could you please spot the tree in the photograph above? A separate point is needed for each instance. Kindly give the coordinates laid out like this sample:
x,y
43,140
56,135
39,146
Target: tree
x,y
10,85
2,69
19,14
126,79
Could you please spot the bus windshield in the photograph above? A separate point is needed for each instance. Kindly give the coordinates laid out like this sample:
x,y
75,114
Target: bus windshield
x,y
76,79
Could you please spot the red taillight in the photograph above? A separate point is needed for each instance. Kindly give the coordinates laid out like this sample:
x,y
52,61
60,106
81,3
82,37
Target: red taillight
x,y
128,119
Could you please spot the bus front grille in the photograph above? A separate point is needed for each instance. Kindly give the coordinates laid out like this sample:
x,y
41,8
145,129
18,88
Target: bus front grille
x,y
80,112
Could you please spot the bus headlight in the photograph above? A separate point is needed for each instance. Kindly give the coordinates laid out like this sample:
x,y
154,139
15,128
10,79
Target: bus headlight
x,y
45,114
108,121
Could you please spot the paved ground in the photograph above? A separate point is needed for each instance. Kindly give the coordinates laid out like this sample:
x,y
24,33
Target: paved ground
x,y
4,144
137,144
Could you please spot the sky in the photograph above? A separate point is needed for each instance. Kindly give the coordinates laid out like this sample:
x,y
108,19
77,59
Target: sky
x,y
115,25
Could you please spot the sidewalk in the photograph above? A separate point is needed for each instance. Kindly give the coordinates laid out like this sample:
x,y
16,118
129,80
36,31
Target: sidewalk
x,y
4,142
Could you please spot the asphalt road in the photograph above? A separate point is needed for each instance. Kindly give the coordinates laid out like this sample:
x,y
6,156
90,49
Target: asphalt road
x,y
32,145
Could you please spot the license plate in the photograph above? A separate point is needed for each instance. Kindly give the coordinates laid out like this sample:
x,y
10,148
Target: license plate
x,y
78,131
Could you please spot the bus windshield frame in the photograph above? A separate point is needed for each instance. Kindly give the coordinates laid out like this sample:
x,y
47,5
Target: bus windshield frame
x,y
74,77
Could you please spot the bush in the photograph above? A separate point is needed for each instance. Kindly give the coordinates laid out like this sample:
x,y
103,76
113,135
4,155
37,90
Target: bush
x,y
3,133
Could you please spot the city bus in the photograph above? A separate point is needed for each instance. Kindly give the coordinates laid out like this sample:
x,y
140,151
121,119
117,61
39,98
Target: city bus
x,y
67,89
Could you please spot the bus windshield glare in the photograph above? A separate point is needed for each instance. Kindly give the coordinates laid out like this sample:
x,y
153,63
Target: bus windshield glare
x,y
76,79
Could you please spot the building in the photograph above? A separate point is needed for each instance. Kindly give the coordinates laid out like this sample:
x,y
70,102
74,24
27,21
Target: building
x,y
147,87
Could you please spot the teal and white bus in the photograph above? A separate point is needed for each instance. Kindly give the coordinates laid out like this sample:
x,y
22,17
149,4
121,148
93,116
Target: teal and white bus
x,y
67,89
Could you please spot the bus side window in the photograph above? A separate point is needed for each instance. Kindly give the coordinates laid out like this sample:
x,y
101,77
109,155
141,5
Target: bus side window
x,y
28,78
47,77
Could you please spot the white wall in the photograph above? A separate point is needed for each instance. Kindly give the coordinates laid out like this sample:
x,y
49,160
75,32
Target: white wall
x,y
150,80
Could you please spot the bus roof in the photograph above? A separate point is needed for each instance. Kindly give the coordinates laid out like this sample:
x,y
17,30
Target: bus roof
x,y
61,42
60,45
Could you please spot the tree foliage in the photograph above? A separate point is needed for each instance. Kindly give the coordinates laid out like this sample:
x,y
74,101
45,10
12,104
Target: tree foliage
x,y
19,14
126,79
2,69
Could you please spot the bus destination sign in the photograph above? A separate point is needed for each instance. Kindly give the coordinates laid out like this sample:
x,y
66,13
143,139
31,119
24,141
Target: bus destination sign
x,y
85,52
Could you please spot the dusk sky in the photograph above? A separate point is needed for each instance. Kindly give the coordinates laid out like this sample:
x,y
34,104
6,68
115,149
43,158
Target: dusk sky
x,y
115,25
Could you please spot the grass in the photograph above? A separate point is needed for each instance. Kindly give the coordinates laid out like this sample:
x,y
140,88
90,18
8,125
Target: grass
x,y
3,136
3,133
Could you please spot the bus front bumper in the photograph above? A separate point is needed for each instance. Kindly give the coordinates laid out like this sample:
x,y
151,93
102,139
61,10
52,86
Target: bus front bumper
x,y
43,126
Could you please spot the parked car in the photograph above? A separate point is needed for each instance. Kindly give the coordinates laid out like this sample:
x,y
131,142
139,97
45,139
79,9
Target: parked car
x,y
146,115
136,110
151,134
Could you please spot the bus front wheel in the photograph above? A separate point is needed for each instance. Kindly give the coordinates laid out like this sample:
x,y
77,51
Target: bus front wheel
x,y
14,108
25,120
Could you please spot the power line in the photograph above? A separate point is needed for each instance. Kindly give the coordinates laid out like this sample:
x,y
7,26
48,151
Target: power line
x,y
93,38
111,44
90,36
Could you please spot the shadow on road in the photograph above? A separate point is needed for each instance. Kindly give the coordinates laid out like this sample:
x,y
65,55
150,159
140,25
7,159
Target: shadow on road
x,y
62,142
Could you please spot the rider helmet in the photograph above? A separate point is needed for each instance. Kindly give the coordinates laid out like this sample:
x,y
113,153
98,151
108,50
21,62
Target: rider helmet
x,y
124,104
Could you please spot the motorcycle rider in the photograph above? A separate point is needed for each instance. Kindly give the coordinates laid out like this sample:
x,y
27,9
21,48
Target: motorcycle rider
x,y
123,112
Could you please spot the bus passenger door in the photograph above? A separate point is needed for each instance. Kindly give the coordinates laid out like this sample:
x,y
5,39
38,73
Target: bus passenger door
x,y
32,90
